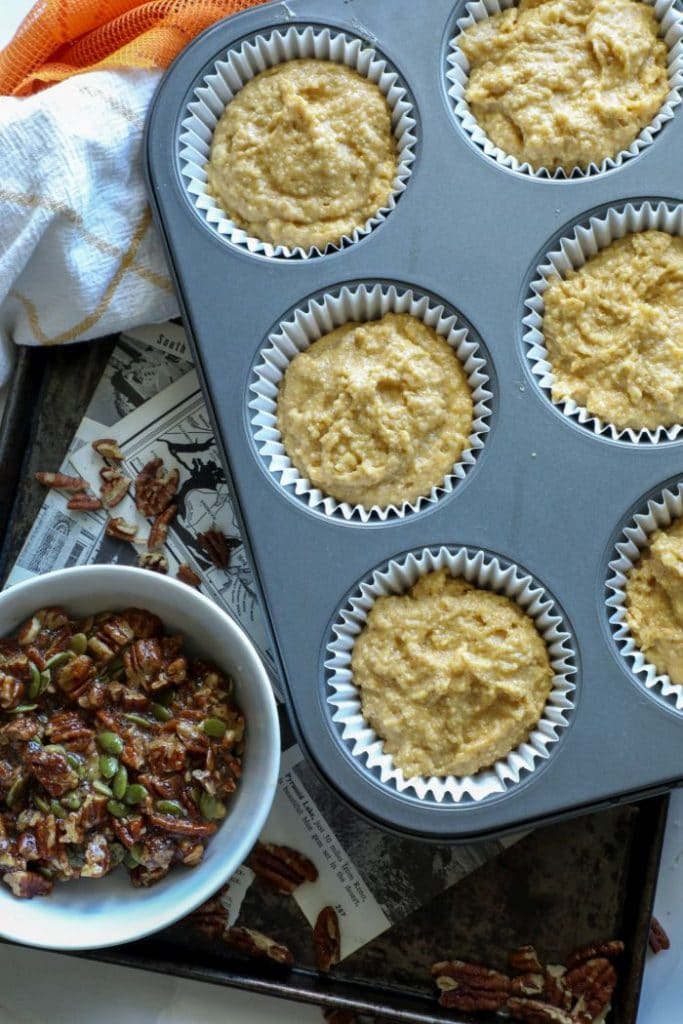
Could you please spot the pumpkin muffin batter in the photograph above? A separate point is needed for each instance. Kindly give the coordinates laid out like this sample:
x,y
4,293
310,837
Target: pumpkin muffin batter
x,y
304,154
376,413
614,332
451,677
654,601
564,83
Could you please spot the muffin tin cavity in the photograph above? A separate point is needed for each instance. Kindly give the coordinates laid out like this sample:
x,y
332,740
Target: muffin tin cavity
x,y
570,251
241,64
658,511
457,74
485,570
322,314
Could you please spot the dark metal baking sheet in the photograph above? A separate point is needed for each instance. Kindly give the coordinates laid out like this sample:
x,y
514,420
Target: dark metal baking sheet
x,y
544,493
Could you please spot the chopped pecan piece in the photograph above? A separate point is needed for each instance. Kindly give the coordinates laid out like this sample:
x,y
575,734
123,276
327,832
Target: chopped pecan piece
x,y
533,1011
256,944
216,546
155,489
108,449
326,939
52,770
27,884
658,939
114,487
528,985
153,561
609,950
62,482
83,502
120,529
159,532
11,691
97,857
186,574
470,987
555,989
69,727
76,675
525,960
283,868
592,984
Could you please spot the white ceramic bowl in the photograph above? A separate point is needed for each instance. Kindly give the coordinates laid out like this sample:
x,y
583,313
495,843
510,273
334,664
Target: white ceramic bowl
x,y
90,913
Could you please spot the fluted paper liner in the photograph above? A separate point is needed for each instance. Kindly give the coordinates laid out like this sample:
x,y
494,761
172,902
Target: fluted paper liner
x,y
319,317
238,67
660,512
671,31
483,570
572,252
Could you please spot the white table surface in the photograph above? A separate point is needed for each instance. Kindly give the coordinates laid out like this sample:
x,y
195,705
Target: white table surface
x,y
38,987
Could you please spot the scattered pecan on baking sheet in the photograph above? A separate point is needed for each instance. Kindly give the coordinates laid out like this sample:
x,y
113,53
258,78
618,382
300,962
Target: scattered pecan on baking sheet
x,y
115,747
283,868
154,561
155,488
658,940
108,449
216,546
186,574
256,944
326,939
62,482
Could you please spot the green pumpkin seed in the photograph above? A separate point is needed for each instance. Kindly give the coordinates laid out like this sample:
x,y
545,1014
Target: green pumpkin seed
x,y
57,809
117,854
45,872
120,783
55,748
74,760
133,856
108,767
161,713
15,792
117,809
72,800
210,807
41,804
171,807
21,708
110,743
139,720
45,680
135,793
34,685
78,643
58,659
214,727
102,788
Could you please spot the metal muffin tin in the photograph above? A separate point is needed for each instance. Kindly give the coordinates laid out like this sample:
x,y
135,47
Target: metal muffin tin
x,y
543,494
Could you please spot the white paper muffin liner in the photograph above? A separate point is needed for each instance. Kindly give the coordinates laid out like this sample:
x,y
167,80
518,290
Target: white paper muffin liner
x,y
671,31
483,570
570,253
660,512
242,64
322,315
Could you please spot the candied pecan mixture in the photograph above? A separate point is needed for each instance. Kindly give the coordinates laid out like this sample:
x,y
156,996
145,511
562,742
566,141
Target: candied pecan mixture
x,y
115,748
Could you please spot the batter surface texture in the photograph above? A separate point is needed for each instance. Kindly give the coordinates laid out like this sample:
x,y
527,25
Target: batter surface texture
x,y
614,332
564,83
376,413
304,154
452,677
654,602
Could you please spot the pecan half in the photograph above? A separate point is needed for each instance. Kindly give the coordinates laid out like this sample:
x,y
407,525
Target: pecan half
x,y
528,985
592,984
159,532
326,939
83,502
532,1011
186,574
256,944
114,487
154,562
216,546
155,489
108,449
210,918
283,868
470,987
525,960
121,529
609,950
52,770
658,939
62,482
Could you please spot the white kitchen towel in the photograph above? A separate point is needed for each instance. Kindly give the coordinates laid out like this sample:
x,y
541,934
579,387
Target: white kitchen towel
x,y
79,255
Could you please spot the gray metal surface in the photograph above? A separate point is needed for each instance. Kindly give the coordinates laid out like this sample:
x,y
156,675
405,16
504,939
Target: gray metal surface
x,y
544,492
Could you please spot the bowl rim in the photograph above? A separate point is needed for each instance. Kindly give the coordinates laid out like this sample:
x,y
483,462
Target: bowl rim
x,y
224,868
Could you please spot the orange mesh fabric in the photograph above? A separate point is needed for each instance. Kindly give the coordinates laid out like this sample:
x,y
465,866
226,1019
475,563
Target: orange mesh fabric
x,y
60,38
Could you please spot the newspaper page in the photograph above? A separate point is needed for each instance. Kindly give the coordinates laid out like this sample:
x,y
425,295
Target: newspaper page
x,y
150,401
